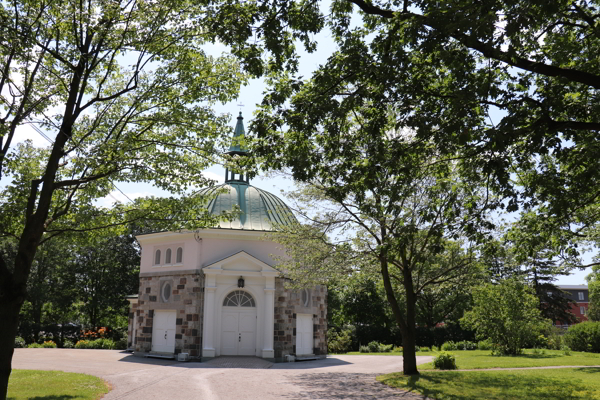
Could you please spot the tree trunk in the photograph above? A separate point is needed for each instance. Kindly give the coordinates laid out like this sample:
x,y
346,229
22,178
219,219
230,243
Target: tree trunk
x,y
409,338
9,315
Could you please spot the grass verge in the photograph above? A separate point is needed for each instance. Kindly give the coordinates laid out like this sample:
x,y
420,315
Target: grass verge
x,y
476,359
32,384
556,384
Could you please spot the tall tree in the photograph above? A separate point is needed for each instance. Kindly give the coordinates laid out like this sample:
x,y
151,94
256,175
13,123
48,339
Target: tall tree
x,y
123,91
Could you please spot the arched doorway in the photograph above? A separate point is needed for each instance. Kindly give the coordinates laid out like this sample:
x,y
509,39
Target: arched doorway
x,y
238,324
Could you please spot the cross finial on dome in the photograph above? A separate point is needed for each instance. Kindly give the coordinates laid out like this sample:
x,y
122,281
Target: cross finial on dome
x,y
236,149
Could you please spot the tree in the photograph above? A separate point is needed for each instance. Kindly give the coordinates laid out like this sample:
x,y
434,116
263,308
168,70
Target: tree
x,y
593,280
507,313
396,224
123,90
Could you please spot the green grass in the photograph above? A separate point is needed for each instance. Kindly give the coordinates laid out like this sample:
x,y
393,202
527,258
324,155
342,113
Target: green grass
x,y
476,359
393,353
54,385
544,384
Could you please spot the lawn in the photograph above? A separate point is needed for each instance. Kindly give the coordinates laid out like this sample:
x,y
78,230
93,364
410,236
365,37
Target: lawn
x,y
546,384
475,359
32,384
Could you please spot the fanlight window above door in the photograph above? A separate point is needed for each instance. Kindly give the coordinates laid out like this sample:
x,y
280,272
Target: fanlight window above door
x,y
239,298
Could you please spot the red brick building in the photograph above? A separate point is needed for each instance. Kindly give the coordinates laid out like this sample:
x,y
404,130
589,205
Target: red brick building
x,y
580,295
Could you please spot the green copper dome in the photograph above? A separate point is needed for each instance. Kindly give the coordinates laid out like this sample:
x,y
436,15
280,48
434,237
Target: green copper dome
x,y
260,210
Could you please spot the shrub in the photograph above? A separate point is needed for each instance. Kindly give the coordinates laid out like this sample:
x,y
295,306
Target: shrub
x,y
417,349
555,338
584,336
67,344
447,346
83,344
485,344
566,350
20,342
444,360
425,348
465,345
105,344
385,348
363,349
337,342
121,344
538,351
374,346
34,346
397,349
49,344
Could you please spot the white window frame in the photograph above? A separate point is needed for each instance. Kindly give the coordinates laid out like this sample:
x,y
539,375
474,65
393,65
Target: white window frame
x,y
168,255
582,310
157,257
581,297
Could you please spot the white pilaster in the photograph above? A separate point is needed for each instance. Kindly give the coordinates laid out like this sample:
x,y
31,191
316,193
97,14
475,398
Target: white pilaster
x,y
208,348
268,351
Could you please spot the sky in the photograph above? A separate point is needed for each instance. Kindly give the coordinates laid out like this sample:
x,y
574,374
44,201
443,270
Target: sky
x,y
246,102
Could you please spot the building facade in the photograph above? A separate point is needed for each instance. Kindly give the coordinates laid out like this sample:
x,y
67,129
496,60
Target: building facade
x,y
579,294
218,291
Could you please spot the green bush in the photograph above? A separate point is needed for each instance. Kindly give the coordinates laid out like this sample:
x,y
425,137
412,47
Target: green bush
x,y
121,344
566,350
385,348
339,342
538,351
485,344
444,360
374,346
555,338
49,344
34,346
417,349
105,344
584,336
397,349
425,348
67,344
448,346
466,345
19,342
83,344
363,349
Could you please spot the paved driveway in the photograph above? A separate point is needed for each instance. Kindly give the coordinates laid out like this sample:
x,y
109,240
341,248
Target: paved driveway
x,y
226,378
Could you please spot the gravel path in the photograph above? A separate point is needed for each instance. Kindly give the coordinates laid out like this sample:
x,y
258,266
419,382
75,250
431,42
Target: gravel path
x,y
226,378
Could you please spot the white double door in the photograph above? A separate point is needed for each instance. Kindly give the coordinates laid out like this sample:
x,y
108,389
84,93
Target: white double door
x,y
163,331
304,334
238,331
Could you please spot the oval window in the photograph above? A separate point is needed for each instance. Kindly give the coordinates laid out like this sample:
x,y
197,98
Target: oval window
x,y
305,297
166,292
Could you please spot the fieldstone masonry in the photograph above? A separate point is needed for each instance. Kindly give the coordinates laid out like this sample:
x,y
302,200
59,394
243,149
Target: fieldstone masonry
x,y
186,299
288,303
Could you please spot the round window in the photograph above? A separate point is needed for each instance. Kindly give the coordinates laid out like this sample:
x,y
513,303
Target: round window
x,y
166,292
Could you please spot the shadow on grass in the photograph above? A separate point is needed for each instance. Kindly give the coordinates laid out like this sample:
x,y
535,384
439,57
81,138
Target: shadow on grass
x,y
482,385
592,370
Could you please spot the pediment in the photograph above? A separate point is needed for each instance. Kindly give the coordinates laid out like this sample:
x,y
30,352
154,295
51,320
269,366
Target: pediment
x,y
240,262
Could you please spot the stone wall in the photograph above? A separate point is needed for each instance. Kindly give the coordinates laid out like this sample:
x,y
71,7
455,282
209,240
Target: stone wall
x,y
288,303
186,299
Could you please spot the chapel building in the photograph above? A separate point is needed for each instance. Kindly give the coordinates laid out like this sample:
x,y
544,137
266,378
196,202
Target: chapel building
x,y
218,291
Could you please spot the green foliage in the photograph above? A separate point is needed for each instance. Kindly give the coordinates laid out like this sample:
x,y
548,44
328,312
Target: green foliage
x,y
507,314
67,344
364,349
82,344
106,344
485,345
424,348
444,361
448,346
584,336
466,345
593,280
374,347
49,344
339,342
34,346
32,384
566,350
19,342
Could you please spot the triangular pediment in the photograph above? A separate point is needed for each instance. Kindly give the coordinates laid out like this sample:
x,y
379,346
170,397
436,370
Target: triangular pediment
x,y
240,262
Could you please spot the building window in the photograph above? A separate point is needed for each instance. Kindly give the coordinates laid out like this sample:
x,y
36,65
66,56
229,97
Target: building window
x,y
582,310
305,297
179,258
549,294
580,295
157,257
239,298
166,292
168,256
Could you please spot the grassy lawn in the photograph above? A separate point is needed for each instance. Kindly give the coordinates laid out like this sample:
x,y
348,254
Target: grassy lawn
x,y
550,384
475,359
55,385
